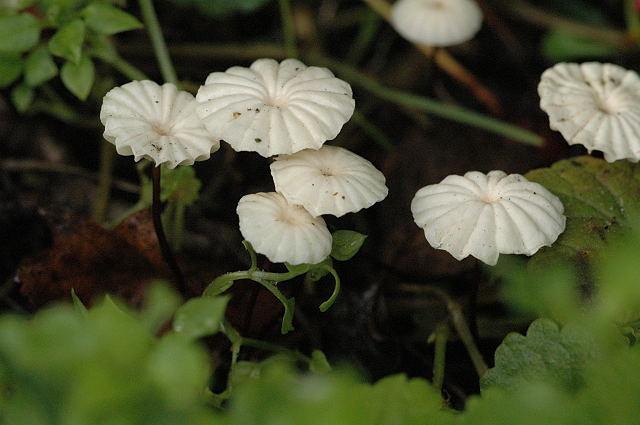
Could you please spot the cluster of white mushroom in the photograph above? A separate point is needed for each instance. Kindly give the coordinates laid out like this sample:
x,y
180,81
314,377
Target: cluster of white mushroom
x,y
286,110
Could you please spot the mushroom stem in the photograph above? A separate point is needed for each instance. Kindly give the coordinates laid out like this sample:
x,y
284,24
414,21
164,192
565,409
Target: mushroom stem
x,y
156,207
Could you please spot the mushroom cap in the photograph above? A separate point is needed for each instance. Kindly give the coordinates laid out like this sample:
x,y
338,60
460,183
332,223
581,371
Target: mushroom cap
x,y
146,120
331,180
485,215
282,231
275,108
436,22
596,105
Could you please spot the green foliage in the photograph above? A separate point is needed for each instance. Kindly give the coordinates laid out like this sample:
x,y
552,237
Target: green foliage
x,y
22,96
67,41
103,367
276,394
222,8
104,18
545,354
598,197
10,68
78,77
559,46
346,244
200,317
39,67
18,33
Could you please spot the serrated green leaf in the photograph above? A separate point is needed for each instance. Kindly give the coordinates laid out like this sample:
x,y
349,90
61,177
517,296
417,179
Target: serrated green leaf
x,y
79,78
67,41
545,354
200,317
104,18
77,303
346,244
39,67
11,65
22,97
18,33
222,8
598,198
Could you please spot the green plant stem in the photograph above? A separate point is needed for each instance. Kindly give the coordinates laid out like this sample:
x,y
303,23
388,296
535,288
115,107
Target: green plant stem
x,y
157,41
156,207
459,323
372,131
539,17
452,112
125,68
366,36
288,28
105,179
440,352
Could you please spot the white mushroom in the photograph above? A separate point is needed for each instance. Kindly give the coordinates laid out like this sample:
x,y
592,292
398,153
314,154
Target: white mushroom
x,y
282,231
485,215
331,180
275,108
159,123
596,105
436,22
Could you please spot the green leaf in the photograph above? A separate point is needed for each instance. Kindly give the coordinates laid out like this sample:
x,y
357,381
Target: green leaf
x,y
319,362
219,285
200,317
105,18
10,68
77,303
39,67
346,243
67,41
159,305
22,97
546,354
598,198
222,8
79,78
558,46
18,33
180,184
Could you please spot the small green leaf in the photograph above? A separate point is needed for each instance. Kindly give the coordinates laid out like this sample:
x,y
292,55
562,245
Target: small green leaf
x,y
219,285
67,41
77,303
79,78
39,67
159,305
200,317
105,18
297,269
18,33
22,97
319,362
180,184
10,68
318,271
346,243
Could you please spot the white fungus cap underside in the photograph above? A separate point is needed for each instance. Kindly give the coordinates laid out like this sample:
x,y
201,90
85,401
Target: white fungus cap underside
x,y
159,123
596,105
281,231
485,215
331,180
275,108
436,22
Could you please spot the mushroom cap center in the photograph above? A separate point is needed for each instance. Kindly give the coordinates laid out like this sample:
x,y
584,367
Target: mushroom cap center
x,y
435,4
162,129
293,215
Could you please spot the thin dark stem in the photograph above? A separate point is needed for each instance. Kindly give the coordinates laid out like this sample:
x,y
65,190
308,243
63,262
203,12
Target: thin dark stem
x,y
156,209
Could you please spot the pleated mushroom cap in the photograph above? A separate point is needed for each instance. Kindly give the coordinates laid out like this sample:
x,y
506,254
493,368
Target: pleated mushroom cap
x,y
331,180
485,215
275,108
282,231
159,123
438,23
596,105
